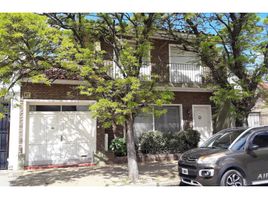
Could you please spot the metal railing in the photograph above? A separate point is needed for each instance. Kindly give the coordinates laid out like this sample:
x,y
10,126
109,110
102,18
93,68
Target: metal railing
x,y
185,73
115,72
177,73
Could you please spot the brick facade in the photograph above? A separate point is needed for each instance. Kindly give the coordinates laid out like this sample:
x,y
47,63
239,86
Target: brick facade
x,y
57,92
70,92
159,58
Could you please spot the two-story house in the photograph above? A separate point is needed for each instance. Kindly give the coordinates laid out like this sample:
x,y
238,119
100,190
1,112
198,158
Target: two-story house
x,y
51,125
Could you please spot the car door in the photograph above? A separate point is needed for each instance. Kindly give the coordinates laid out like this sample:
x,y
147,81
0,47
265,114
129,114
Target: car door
x,y
257,159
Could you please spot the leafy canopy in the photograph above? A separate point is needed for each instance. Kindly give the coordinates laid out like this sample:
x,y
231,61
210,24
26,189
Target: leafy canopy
x,y
28,47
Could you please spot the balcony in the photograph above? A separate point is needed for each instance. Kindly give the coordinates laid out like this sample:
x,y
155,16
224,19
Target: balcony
x,y
185,73
145,71
177,74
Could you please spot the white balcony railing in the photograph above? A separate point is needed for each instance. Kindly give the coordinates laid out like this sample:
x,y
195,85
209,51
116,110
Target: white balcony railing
x,y
115,72
177,72
185,73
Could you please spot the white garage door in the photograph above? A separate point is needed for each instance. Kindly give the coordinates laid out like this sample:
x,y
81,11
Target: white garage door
x,y
60,136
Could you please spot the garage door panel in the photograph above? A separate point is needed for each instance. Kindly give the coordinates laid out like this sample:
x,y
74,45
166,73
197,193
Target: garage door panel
x,y
52,128
37,127
54,153
37,154
61,138
69,151
86,127
69,124
85,151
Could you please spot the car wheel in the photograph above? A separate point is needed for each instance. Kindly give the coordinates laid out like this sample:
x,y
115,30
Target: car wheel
x,y
232,178
183,184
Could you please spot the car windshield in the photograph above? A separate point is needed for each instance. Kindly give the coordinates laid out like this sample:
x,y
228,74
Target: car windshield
x,y
240,144
222,139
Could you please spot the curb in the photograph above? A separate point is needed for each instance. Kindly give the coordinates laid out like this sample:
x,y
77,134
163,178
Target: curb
x,y
153,184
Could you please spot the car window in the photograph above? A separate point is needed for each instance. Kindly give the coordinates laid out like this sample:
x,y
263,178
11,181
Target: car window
x,y
226,139
261,140
223,139
240,143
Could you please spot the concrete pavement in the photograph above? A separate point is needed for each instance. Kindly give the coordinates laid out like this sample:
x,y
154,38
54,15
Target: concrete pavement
x,y
151,174
4,178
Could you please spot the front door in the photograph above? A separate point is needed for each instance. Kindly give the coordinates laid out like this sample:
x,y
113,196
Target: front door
x,y
202,121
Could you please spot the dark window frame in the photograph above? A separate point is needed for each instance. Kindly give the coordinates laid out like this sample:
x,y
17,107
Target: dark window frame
x,y
258,134
61,108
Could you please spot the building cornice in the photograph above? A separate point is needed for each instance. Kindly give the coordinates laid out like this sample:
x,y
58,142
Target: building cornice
x,y
173,89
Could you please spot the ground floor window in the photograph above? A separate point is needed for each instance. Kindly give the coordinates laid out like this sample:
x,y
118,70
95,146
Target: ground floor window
x,y
168,122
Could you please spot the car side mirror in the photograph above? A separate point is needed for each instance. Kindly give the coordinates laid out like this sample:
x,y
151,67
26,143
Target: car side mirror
x,y
252,147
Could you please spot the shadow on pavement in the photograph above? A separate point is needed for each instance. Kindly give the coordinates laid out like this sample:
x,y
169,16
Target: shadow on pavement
x,y
46,177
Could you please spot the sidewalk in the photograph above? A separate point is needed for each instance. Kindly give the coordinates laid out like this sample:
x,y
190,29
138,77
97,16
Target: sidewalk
x,y
151,174
4,178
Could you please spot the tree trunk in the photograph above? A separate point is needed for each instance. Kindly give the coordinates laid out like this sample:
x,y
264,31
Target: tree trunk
x,y
241,122
133,171
114,127
125,130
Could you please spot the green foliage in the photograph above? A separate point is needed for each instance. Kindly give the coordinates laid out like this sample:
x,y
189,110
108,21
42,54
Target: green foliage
x,y
28,47
236,49
121,97
222,97
119,147
154,142
188,139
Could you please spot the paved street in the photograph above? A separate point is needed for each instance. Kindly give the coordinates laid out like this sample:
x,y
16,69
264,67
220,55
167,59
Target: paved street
x,y
151,174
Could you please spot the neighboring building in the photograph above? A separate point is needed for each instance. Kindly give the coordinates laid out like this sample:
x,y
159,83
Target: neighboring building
x,y
52,125
259,113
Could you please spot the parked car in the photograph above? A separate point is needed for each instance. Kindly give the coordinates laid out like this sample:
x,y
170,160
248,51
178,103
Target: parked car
x,y
231,157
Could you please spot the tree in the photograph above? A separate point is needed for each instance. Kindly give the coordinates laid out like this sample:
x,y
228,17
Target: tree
x,y
121,96
28,48
234,47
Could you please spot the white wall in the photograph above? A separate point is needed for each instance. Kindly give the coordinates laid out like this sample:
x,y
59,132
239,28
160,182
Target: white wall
x,y
13,160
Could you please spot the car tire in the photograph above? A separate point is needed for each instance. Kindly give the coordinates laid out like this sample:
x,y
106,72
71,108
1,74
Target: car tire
x,y
183,184
232,178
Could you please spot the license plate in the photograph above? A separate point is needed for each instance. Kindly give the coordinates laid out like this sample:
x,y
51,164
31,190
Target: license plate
x,y
184,171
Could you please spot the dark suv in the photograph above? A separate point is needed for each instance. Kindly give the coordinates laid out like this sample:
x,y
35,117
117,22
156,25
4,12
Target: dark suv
x,y
231,157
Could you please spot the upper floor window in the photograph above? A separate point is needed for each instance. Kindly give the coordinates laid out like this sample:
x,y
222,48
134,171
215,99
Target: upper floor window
x,y
177,55
184,66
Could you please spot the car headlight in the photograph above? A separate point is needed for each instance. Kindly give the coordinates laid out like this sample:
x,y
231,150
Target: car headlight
x,y
210,160
206,172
